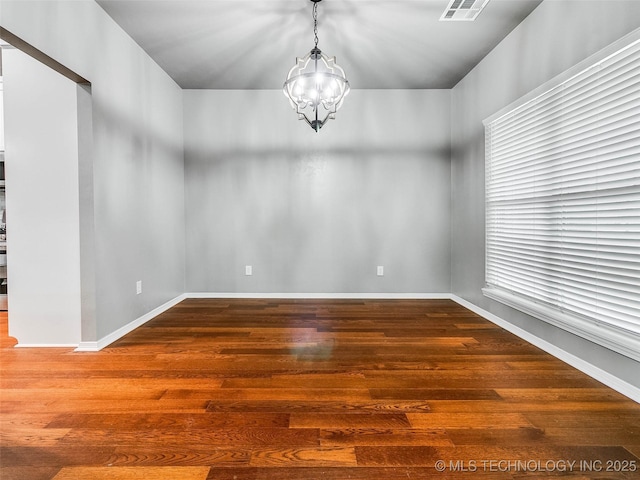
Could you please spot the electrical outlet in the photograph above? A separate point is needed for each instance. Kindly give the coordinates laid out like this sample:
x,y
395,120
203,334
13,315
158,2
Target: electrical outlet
x,y
380,271
248,270
138,287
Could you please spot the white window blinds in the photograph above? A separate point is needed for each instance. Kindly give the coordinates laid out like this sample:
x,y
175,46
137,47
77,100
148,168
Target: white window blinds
x,y
563,204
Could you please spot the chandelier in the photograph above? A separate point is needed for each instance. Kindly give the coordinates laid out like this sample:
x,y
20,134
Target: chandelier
x,y
316,85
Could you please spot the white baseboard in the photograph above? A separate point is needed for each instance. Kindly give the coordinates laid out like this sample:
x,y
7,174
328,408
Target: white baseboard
x,y
608,379
340,296
122,331
621,340
45,345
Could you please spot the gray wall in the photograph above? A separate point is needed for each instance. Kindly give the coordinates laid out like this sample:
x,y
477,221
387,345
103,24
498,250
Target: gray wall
x,y
555,37
317,212
136,156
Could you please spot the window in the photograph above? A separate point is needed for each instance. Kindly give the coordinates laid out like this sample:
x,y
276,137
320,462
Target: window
x,y
563,203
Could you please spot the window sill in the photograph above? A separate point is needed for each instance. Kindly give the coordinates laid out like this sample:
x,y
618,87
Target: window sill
x,y
622,341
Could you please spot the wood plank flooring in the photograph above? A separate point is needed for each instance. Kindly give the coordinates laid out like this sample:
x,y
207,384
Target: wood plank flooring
x,y
322,389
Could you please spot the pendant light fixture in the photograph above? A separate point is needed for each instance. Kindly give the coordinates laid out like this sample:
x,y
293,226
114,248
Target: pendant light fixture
x,y
316,85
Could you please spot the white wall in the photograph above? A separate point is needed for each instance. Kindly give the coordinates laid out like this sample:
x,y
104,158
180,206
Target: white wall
x,y
42,202
136,172
317,212
555,37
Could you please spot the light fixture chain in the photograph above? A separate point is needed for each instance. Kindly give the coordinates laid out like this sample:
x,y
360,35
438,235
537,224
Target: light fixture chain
x,y
315,22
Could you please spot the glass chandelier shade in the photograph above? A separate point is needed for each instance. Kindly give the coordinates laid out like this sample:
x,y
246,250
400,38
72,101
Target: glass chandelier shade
x,y
316,85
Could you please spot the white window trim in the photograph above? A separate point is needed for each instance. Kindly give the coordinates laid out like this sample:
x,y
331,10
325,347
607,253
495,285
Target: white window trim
x,y
618,340
623,341
567,74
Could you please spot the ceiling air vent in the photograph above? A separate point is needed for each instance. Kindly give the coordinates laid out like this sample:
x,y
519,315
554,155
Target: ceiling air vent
x,y
463,10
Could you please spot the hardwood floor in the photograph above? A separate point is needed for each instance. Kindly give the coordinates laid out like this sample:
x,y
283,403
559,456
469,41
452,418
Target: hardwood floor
x,y
264,389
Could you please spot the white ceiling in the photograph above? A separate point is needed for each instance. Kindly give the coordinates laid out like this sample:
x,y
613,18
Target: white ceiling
x,y
252,44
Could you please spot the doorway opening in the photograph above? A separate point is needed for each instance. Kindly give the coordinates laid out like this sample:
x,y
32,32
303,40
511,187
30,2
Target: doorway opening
x,y
47,117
